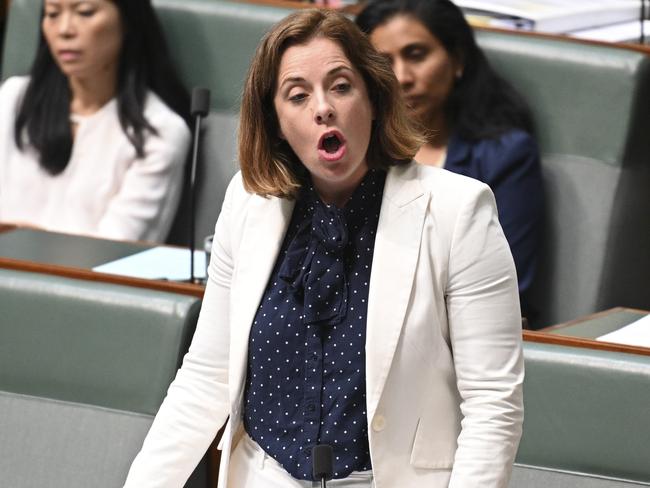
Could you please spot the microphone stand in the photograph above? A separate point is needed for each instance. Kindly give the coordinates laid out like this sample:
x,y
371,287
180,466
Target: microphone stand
x,y
199,109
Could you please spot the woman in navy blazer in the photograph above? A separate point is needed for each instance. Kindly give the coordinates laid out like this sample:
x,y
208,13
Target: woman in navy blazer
x,y
477,125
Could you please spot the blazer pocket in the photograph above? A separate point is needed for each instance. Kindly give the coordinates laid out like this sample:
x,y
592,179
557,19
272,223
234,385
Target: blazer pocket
x,y
429,450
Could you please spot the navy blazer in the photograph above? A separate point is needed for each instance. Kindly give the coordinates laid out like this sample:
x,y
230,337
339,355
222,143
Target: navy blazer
x,y
509,165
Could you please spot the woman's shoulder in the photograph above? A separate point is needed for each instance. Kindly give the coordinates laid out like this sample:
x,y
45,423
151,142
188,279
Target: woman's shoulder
x,y
13,88
511,138
511,151
449,194
489,157
445,187
11,96
516,138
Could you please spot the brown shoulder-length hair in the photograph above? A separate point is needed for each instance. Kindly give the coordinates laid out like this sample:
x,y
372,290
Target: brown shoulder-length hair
x,y
268,164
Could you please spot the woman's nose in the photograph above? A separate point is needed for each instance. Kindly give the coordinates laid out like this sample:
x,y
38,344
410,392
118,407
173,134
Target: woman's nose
x,y
66,25
324,111
403,74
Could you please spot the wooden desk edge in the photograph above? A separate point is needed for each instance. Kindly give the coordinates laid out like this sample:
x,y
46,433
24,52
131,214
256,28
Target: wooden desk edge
x,y
541,337
6,227
89,275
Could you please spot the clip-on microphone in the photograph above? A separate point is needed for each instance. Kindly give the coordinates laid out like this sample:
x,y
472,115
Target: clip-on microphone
x,y
322,462
199,109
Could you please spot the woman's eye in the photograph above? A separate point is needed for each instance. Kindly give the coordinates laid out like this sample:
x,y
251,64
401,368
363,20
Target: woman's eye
x,y
86,13
342,87
51,14
416,54
298,97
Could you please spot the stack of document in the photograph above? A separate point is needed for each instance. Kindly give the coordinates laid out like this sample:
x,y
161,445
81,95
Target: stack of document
x,y
554,16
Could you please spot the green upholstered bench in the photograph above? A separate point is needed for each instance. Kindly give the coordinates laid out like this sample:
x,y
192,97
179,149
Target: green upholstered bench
x,y
84,367
587,419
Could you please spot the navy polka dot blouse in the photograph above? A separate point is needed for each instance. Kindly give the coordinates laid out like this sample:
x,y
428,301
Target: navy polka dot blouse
x,y
306,361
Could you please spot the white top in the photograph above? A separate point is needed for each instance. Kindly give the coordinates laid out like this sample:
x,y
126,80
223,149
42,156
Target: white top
x,y
105,190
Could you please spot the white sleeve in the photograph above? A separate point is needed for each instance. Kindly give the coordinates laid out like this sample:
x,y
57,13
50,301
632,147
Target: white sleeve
x,y
11,95
147,200
485,332
197,402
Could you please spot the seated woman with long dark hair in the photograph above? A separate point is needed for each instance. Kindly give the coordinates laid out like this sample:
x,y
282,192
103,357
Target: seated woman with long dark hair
x,y
94,141
476,123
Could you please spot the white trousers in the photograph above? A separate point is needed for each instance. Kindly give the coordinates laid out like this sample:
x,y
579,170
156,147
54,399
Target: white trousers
x,y
251,467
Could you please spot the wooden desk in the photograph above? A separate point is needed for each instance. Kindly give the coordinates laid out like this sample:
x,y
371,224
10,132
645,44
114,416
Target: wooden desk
x,y
74,257
583,331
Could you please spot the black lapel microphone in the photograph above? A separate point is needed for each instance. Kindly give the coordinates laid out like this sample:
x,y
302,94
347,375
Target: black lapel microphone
x,y
323,464
199,109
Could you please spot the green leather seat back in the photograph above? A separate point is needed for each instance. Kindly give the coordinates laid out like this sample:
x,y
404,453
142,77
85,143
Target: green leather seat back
x,y
586,412
84,367
48,442
21,38
583,96
591,105
212,43
86,342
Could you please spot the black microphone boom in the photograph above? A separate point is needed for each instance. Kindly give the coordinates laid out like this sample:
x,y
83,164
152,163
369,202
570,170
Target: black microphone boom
x,y
322,462
199,108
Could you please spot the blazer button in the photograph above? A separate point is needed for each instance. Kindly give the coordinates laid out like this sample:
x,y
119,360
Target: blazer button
x,y
378,423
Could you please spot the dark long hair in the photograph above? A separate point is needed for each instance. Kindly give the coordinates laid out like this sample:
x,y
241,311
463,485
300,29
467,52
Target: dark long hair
x,y
481,104
144,65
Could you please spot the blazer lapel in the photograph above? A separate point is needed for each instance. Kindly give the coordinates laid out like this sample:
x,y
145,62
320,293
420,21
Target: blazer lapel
x,y
263,233
397,245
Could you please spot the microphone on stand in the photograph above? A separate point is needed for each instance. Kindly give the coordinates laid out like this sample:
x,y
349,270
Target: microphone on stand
x,y
322,462
199,109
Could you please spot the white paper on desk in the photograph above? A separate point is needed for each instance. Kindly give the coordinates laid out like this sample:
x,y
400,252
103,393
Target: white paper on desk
x,y
635,334
158,263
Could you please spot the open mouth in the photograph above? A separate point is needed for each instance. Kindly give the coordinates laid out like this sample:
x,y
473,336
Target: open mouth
x,y
331,144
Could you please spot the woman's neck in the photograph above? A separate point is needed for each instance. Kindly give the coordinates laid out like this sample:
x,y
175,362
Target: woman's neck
x,y
90,95
339,193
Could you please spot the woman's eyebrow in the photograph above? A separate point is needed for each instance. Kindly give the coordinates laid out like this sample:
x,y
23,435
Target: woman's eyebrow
x,y
292,79
333,72
336,70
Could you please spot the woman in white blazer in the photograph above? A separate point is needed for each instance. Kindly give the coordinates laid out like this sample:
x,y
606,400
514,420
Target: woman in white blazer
x,y
434,297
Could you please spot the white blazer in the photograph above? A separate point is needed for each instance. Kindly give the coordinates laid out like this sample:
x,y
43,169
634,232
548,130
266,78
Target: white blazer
x,y
444,367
